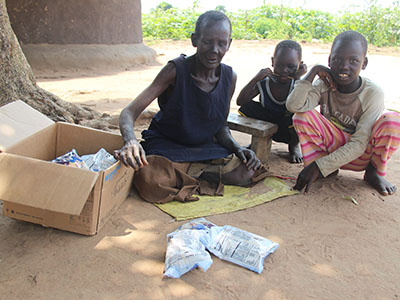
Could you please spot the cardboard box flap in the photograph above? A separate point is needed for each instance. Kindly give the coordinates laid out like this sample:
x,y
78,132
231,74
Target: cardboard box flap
x,y
62,189
17,121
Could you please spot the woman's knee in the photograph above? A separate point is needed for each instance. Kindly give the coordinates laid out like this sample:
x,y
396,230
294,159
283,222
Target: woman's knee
x,y
240,176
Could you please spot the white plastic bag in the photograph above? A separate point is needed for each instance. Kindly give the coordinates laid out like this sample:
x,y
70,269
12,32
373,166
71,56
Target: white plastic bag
x,y
185,251
71,158
187,247
99,161
240,247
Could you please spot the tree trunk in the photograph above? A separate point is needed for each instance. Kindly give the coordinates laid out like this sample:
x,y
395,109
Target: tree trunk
x,y
17,82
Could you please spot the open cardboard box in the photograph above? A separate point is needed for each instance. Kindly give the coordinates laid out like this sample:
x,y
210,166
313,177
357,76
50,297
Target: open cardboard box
x,y
36,190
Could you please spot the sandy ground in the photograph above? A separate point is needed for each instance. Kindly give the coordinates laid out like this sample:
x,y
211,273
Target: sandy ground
x,y
330,248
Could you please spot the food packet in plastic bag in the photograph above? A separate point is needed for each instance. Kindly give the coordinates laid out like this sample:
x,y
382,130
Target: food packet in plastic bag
x,y
186,251
240,247
198,224
71,158
99,161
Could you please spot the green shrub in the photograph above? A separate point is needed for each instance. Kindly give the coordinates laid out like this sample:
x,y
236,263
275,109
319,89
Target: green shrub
x,y
273,29
381,26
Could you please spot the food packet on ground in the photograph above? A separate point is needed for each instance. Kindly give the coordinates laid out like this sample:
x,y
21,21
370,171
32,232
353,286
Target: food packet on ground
x,y
186,251
198,224
240,247
71,158
99,161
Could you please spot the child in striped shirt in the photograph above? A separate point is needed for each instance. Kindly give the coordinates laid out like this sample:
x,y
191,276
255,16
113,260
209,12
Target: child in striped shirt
x,y
351,131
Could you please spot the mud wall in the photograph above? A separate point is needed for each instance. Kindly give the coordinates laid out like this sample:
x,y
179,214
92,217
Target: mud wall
x,y
76,21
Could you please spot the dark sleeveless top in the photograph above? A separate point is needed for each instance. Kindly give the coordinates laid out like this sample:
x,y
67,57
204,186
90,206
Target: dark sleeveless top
x,y
189,118
268,101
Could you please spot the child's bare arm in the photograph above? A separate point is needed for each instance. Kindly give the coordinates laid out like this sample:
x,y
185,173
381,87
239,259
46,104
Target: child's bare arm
x,y
250,90
324,73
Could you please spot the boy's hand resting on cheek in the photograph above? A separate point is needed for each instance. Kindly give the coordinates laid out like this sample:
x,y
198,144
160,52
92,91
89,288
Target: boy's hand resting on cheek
x,y
325,74
300,71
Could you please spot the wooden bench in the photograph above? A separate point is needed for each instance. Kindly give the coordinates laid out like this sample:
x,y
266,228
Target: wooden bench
x,y
261,133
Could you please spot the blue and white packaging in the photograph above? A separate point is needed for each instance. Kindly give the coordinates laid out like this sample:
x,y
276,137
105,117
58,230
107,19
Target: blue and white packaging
x,y
99,161
185,251
198,224
187,247
203,225
240,247
71,158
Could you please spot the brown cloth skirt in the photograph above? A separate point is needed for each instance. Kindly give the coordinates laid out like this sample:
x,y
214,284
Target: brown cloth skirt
x,y
163,180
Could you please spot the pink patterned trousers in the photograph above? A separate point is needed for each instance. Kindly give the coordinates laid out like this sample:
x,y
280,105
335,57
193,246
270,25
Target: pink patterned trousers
x,y
319,137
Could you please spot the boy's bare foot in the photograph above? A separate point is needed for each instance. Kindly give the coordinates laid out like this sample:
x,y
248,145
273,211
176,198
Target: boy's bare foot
x,y
379,183
295,155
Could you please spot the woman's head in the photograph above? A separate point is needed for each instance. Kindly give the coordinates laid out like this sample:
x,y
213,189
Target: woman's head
x,y
210,17
212,38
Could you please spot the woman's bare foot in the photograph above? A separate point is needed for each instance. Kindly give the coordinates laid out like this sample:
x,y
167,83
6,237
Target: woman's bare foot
x,y
379,183
295,155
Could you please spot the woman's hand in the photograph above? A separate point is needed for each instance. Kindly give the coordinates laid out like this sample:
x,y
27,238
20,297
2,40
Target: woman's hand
x,y
249,158
132,155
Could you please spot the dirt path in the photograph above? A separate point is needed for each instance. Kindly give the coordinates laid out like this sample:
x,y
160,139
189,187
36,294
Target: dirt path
x,y
330,248
109,90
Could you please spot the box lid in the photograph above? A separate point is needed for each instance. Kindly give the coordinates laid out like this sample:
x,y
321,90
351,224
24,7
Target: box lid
x,y
17,121
44,184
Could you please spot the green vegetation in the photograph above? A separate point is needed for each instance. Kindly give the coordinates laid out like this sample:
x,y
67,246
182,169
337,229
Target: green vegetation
x,y
381,26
